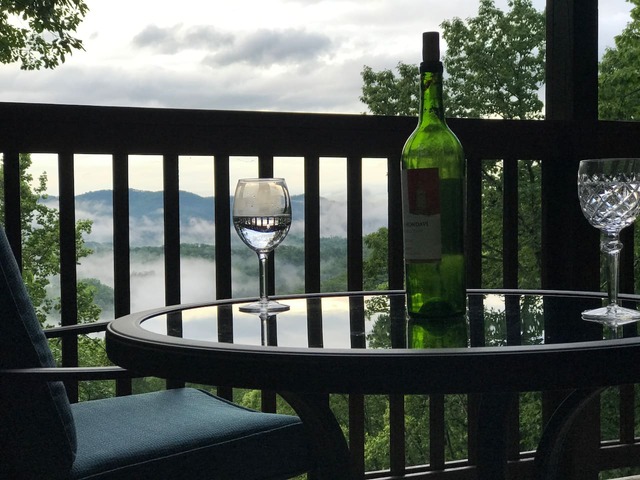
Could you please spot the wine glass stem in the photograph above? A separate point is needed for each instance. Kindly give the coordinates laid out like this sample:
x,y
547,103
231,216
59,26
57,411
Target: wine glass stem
x,y
617,331
263,257
264,328
610,246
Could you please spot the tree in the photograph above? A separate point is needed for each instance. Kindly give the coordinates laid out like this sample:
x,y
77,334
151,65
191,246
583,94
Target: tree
x,y
374,269
619,79
495,62
494,66
386,94
619,86
39,34
40,227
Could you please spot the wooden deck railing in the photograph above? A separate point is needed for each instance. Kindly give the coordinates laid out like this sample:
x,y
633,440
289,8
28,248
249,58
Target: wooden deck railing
x,y
569,247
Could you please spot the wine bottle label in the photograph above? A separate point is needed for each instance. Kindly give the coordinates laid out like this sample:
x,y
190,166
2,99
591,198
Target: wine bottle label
x,y
421,215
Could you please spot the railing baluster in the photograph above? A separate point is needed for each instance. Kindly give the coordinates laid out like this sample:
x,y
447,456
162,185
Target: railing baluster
x,y
394,220
397,443
12,207
315,337
265,170
312,278
356,401
268,401
171,202
354,223
268,397
627,414
477,339
510,224
121,247
436,432
121,242
510,231
473,244
222,218
222,226
68,275
510,206
474,400
356,305
172,280
357,432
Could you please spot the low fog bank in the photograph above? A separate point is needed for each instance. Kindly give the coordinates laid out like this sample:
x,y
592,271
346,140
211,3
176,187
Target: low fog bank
x,y
148,282
147,274
197,228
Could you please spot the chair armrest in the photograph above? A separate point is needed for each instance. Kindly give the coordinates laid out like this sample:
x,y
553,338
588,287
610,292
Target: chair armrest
x,y
81,328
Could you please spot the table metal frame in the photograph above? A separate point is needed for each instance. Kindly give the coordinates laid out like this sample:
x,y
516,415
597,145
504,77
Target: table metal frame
x,y
304,376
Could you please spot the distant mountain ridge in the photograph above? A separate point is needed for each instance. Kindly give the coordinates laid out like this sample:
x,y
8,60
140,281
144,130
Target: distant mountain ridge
x,y
146,218
148,204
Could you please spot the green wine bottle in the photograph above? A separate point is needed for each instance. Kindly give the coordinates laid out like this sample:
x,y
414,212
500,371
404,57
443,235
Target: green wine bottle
x,y
437,332
433,173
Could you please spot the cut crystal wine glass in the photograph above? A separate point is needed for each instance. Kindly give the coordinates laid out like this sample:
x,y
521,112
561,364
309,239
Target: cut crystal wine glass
x,y
262,217
609,193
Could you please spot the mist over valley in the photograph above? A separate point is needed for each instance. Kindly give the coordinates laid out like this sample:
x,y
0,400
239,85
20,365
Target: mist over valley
x,y
197,233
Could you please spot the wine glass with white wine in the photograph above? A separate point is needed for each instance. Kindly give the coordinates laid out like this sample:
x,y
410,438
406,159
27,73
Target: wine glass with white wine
x,y
609,193
262,217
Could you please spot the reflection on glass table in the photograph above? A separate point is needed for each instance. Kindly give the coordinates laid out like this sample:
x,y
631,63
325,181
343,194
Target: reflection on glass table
x,y
338,330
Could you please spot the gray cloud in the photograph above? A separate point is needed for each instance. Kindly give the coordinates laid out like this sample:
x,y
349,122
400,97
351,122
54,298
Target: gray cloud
x,y
327,87
171,40
266,47
263,47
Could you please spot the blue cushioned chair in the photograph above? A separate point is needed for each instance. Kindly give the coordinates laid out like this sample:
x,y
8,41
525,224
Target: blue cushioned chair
x,y
178,434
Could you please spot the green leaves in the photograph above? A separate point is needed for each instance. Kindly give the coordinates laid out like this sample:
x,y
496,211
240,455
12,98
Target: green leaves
x,y
39,34
494,67
619,78
40,226
495,62
386,94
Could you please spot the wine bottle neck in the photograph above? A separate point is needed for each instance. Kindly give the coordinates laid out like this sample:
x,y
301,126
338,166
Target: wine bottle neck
x,y
431,104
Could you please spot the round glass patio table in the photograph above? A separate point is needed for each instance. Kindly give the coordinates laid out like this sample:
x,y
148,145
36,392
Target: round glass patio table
x,y
322,347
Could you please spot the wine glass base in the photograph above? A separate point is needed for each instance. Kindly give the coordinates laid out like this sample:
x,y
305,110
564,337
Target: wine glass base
x,y
612,315
261,307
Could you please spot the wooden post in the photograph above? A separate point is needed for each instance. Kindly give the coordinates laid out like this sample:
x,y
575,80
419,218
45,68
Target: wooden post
x,y
570,245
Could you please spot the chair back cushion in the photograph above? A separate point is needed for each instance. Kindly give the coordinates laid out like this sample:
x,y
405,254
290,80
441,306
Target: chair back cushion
x,y
37,435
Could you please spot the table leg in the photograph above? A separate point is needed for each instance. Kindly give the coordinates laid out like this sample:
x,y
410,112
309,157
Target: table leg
x,y
551,449
331,449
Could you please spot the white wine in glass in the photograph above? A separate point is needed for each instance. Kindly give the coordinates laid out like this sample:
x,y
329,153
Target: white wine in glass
x,y
609,193
262,217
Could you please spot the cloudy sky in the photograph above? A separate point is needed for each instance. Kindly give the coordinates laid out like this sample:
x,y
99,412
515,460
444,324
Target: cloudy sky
x,y
279,55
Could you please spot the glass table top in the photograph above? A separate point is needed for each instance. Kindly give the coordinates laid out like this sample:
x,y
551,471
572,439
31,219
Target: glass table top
x,y
365,320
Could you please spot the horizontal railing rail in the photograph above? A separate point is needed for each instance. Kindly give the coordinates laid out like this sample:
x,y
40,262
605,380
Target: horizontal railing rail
x,y
67,131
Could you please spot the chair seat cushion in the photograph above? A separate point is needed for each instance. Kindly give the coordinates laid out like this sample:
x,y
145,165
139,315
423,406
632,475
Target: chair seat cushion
x,y
185,434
